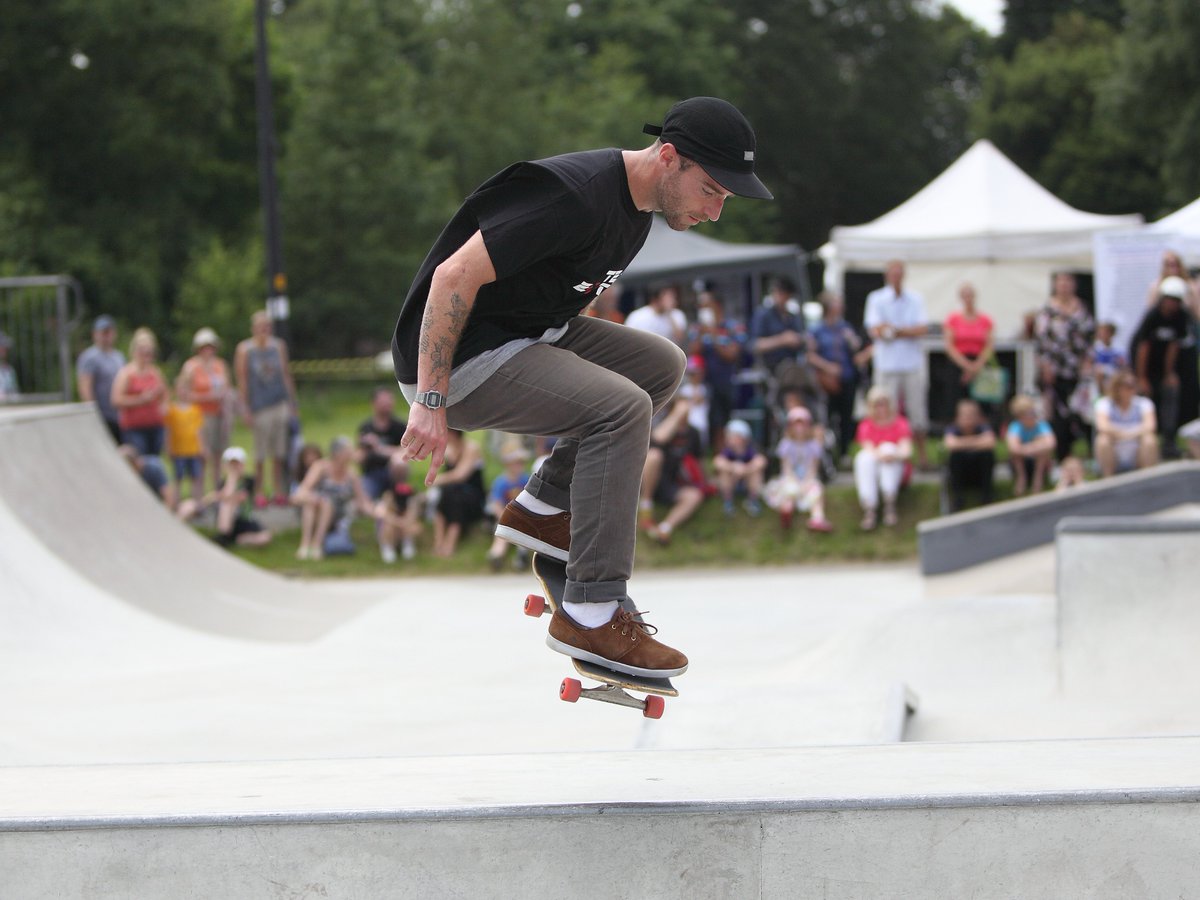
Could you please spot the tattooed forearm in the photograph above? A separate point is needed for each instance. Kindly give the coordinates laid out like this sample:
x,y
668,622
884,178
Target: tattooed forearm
x,y
441,328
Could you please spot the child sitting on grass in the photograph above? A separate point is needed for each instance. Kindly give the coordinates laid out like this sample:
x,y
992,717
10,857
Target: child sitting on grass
x,y
798,485
234,522
739,464
1031,445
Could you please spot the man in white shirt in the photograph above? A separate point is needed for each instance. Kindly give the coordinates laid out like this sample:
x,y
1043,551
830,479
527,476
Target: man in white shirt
x,y
895,319
661,316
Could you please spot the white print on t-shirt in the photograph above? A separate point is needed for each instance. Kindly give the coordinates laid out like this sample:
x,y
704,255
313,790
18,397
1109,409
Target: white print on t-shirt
x,y
600,287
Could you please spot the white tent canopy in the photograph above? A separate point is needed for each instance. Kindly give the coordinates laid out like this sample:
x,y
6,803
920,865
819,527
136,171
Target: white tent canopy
x,y
669,253
982,220
1183,227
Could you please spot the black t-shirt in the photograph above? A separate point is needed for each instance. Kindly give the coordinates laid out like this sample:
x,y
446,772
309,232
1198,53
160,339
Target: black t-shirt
x,y
1160,331
980,429
390,435
559,231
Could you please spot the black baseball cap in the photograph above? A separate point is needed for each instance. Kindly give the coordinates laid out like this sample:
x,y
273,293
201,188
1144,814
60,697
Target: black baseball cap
x,y
715,134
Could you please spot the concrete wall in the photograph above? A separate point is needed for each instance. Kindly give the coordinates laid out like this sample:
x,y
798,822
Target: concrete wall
x,y
1129,605
1101,819
1110,850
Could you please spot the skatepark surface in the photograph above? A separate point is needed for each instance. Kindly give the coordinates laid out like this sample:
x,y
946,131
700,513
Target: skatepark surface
x,y
138,655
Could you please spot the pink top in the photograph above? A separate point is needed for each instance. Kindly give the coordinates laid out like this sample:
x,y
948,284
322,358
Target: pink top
x,y
870,432
144,415
968,335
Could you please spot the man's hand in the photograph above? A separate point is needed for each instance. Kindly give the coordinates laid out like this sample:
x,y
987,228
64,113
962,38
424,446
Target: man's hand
x,y
425,436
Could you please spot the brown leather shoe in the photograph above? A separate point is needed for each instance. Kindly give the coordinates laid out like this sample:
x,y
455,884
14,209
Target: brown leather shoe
x,y
624,645
550,535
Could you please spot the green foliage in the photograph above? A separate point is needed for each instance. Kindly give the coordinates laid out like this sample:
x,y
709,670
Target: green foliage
x,y
856,104
1154,92
130,118
362,193
1031,21
128,146
1042,109
221,287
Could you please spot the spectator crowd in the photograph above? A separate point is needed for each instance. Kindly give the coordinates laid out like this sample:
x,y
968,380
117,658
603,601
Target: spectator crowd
x,y
772,407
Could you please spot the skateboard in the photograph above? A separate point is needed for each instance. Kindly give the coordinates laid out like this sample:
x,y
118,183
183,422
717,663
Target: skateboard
x,y
552,575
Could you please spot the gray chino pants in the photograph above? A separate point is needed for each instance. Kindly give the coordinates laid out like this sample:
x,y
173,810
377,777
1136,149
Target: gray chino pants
x,y
596,390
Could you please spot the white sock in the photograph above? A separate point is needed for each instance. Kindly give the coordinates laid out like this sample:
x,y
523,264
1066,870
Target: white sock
x,y
536,506
591,615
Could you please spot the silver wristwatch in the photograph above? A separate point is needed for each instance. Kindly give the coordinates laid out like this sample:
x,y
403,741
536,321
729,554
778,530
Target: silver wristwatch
x,y
430,399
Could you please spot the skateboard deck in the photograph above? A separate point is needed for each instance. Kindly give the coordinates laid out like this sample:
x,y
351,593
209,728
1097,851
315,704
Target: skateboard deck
x,y
552,575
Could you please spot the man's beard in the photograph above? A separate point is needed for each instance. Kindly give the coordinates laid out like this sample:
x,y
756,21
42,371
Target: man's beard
x,y
670,203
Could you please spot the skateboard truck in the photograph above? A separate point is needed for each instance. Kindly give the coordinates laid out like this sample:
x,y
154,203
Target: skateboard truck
x,y
572,689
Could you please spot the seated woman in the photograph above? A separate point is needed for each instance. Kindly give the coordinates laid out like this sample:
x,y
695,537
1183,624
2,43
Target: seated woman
x,y
672,475
1031,443
885,440
399,514
329,496
972,447
1126,428
460,493
739,464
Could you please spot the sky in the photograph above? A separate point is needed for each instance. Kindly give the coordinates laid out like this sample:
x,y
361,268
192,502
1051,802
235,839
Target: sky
x,y
988,13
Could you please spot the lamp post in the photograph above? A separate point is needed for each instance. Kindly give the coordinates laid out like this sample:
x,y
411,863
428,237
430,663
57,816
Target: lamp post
x,y
277,299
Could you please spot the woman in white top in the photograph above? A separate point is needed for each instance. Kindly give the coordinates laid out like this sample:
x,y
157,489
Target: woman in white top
x,y
1126,428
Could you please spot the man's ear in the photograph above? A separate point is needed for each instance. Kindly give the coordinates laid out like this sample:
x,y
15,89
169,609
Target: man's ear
x,y
668,156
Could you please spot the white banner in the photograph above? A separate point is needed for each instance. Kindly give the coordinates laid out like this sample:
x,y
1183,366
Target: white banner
x,y
1125,265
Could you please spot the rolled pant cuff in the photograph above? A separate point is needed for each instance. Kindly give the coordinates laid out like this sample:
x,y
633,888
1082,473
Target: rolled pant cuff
x,y
548,493
594,591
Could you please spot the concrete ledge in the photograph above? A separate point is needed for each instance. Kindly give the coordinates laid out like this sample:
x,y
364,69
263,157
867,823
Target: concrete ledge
x,y
1029,819
1128,608
960,540
656,782
1125,525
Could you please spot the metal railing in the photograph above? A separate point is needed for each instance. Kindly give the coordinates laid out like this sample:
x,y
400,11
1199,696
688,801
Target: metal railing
x,y
38,313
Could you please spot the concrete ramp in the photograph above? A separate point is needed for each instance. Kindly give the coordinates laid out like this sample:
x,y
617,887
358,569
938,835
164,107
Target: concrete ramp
x,y
1101,819
68,500
961,540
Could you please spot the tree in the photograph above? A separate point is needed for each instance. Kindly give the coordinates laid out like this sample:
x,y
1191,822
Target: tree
x,y
857,104
130,120
403,111
1154,93
1041,108
220,288
1030,21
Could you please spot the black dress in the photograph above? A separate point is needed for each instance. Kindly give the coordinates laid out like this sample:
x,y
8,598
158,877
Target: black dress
x,y
461,503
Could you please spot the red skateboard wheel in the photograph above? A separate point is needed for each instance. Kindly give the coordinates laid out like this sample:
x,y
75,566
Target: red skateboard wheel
x,y
569,690
535,605
655,705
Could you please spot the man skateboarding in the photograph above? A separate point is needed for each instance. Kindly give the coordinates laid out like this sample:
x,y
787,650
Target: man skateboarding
x,y
490,336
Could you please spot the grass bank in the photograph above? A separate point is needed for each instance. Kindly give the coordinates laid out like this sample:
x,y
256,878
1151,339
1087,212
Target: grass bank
x,y
710,539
